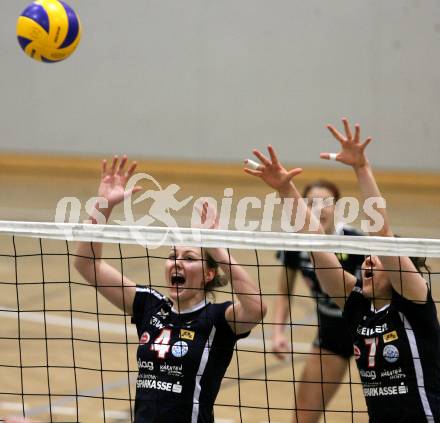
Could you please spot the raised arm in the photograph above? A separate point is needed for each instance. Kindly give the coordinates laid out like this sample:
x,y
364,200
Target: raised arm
x,y
281,310
404,276
118,289
249,309
333,279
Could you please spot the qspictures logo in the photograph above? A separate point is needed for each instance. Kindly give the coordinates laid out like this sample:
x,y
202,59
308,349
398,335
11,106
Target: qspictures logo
x,y
165,202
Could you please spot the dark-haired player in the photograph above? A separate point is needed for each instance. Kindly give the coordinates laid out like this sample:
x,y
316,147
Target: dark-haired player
x,y
185,341
390,311
332,348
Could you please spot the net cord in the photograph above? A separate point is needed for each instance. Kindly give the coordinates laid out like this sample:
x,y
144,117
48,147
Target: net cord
x,y
162,236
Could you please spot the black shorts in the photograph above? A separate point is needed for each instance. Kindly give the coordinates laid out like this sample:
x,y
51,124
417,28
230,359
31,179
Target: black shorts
x,y
333,335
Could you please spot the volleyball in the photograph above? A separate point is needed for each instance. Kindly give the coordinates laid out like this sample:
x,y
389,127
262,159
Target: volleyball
x,y
48,30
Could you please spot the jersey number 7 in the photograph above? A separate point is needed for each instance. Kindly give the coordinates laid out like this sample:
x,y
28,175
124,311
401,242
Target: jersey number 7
x,y
371,343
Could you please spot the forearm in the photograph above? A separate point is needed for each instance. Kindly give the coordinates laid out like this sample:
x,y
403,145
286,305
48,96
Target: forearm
x,y
250,299
281,313
282,301
242,284
335,281
89,254
370,190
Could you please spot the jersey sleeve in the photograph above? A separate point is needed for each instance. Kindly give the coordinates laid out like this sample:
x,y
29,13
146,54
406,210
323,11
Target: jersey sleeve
x,y
290,259
355,308
222,325
422,315
145,300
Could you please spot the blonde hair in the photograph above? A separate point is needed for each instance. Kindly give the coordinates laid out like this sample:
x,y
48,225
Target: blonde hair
x,y
218,280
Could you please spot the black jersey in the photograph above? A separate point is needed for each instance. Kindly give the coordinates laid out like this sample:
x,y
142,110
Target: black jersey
x,y
397,351
182,358
300,260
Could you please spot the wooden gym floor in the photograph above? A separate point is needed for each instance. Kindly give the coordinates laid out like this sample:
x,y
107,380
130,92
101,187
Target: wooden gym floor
x,y
30,189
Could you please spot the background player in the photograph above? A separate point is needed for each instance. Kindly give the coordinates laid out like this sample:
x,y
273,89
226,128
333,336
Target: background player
x,y
327,362
390,312
186,342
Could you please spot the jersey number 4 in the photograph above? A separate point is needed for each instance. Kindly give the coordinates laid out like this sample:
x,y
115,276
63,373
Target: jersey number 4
x,y
162,343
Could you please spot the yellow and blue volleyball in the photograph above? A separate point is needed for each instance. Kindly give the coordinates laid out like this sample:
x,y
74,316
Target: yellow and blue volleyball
x,y
48,30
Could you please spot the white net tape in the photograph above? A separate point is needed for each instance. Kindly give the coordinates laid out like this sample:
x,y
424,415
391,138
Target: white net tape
x,y
157,236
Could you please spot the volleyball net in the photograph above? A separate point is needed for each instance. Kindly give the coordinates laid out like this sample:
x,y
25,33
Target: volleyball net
x,y
68,355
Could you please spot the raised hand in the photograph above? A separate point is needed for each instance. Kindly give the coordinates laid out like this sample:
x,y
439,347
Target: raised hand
x,y
114,180
272,172
352,150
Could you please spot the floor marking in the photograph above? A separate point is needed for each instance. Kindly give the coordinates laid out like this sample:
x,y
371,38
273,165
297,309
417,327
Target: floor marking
x,y
117,415
121,329
59,406
78,323
16,406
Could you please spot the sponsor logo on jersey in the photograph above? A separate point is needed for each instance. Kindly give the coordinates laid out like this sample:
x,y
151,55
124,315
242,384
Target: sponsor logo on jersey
x,y
386,390
145,338
171,370
154,321
145,365
393,374
158,318
368,374
177,388
163,314
390,353
179,349
390,336
364,330
187,334
159,385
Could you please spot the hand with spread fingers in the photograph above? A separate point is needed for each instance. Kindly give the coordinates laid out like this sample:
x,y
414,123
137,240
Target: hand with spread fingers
x,y
114,180
272,172
352,150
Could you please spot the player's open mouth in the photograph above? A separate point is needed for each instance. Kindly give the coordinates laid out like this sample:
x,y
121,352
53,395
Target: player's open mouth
x,y
177,280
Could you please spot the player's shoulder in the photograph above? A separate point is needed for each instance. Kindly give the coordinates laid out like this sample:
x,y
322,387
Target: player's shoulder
x,y
222,325
215,312
414,307
146,302
146,290
356,301
218,308
146,295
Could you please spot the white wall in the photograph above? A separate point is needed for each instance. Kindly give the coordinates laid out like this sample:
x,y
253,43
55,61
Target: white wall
x,y
211,79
